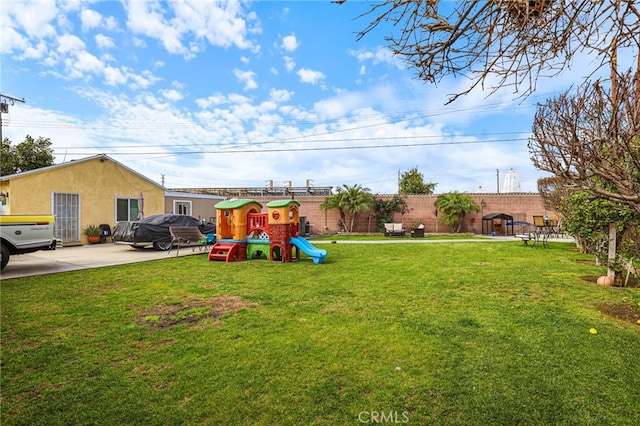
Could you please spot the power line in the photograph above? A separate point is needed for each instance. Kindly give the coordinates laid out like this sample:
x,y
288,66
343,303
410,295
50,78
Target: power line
x,y
339,148
288,141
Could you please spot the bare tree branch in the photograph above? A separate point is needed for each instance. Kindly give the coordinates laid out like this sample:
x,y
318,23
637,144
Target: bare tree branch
x,y
515,41
591,140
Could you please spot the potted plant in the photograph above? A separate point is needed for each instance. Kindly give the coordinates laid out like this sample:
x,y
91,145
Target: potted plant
x,y
93,234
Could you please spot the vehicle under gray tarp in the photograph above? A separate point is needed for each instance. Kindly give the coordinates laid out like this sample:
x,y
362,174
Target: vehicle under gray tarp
x,y
154,230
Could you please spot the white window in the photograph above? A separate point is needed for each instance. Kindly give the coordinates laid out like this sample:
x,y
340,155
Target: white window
x,y
126,209
66,209
182,207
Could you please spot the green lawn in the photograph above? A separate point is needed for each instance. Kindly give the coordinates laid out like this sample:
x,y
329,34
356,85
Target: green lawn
x,y
465,333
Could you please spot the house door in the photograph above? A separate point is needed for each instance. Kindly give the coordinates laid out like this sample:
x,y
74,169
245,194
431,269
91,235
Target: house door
x,y
66,209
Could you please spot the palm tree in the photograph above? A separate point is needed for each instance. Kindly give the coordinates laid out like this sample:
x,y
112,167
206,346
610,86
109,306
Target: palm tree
x,y
336,201
454,206
349,199
357,199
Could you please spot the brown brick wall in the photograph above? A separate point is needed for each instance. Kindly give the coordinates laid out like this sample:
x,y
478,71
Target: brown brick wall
x,y
522,206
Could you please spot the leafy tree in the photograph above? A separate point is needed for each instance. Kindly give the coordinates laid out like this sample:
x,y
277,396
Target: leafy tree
x,y
589,220
349,199
587,217
454,207
384,210
412,182
7,157
29,154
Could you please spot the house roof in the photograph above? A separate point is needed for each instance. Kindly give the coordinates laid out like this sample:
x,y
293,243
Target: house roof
x,y
192,195
102,157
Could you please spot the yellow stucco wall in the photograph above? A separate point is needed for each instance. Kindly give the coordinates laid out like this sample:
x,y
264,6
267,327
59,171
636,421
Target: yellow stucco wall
x,y
99,182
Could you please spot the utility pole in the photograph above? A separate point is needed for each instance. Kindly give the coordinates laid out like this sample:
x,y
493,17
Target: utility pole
x,y
4,107
498,180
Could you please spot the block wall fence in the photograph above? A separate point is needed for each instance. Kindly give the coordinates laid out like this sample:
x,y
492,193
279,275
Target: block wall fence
x,y
522,206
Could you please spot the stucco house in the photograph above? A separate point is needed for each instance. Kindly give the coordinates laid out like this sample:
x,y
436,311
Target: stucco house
x,y
93,191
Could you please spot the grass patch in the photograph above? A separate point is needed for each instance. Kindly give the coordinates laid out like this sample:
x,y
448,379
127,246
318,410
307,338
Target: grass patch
x,y
465,333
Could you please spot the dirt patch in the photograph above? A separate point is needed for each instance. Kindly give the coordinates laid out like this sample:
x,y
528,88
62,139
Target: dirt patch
x,y
622,311
192,311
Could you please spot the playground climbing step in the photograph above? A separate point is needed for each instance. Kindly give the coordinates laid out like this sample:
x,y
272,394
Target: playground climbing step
x,y
224,251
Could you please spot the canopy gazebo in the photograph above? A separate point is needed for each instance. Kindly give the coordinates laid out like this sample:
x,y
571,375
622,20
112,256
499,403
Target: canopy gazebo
x,y
491,226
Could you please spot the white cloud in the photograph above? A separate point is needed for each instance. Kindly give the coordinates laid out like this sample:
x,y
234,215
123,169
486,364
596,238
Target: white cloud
x,y
310,76
289,63
32,17
205,103
110,23
381,55
36,51
290,43
114,76
280,95
11,39
104,42
68,43
86,62
174,24
246,77
172,94
138,42
147,18
143,80
90,19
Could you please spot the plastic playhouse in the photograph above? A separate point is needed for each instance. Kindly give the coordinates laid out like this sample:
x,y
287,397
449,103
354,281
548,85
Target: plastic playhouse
x,y
244,232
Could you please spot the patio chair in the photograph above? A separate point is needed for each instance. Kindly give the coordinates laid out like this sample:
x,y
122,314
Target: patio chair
x,y
538,221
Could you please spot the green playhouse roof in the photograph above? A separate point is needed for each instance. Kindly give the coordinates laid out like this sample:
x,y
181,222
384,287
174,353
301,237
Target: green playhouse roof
x,y
236,203
281,203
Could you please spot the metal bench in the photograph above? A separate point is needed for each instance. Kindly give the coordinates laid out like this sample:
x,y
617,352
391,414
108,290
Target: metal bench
x,y
188,236
536,237
525,238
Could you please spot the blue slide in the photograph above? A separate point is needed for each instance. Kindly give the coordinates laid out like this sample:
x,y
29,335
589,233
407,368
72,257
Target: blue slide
x,y
309,249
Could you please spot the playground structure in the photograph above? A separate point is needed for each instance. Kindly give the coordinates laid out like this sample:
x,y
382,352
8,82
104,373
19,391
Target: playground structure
x,y
243,232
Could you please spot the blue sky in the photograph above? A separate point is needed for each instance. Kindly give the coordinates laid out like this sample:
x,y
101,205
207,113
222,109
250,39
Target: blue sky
x,y
240,93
